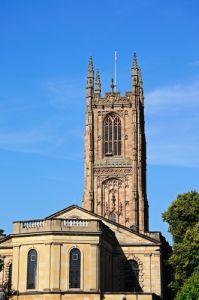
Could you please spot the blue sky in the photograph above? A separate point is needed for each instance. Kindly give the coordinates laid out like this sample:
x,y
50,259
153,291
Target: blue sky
x,y
44,51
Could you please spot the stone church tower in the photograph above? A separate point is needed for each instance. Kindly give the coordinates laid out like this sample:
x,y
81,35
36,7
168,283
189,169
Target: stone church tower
x,y
115,152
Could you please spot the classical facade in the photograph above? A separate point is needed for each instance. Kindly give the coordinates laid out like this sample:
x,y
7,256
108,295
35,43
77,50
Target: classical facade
x,y
105,249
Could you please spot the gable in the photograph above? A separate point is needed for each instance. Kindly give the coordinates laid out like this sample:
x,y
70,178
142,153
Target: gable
x,y
123,234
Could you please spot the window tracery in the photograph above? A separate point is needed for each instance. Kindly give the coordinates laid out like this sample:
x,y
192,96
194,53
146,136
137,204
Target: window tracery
x,y
112,135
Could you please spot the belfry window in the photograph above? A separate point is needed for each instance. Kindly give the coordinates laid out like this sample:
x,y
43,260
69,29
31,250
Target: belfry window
x,y
32,269
112,135
75,268
131,270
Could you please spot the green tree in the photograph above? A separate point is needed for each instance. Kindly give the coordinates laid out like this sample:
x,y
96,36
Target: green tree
x,y
1,231
185,256
190,290
183,219
182,214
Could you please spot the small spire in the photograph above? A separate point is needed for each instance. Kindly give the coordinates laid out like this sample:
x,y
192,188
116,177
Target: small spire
x,y
112,85
90,67
140,86
135,65
90,76
135,71
97,83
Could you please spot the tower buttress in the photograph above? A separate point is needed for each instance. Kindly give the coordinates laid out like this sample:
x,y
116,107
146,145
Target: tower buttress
x,y
88,198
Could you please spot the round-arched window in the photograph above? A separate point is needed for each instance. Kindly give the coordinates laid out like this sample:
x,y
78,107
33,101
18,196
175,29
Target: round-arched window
x,y
131,270
32,269
75,268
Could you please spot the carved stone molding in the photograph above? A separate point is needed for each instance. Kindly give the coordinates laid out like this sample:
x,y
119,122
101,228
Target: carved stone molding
x,y
112,171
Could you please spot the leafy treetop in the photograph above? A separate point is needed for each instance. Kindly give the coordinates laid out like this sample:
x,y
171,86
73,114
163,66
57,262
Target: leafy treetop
x,y
182,214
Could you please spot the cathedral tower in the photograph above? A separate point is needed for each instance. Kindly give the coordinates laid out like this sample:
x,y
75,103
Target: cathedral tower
x,y
115,152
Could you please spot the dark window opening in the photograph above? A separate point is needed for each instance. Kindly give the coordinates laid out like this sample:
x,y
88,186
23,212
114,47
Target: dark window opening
x,y
131,269
10,277
32,269
75,266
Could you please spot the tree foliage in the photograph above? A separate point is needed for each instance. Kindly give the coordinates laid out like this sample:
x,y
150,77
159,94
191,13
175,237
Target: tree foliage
x,y
182,214
1,231
190,290
185,256
183,219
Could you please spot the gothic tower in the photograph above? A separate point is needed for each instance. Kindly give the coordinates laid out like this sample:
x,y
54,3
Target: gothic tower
x,y
115,152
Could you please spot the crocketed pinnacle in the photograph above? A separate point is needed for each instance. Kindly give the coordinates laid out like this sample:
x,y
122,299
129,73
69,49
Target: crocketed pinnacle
x,y
140,77
135,66
90,77
97,83
90,67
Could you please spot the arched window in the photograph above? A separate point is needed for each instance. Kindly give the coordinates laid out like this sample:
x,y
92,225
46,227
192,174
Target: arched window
x,y
131,270
112,135
75,268
32,269
10,277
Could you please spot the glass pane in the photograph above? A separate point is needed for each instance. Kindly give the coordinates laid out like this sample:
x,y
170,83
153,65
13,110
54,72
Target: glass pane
x,y
75,259
31,269
115,132
110,150
119,148
119,132
115,148
110,132
106,133
106,148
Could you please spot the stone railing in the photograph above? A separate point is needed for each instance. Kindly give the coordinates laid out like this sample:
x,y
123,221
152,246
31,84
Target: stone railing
x,y
33,224
64,225
77,222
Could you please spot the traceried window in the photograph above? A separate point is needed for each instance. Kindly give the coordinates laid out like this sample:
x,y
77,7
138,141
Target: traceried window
x,y
112,135
32,269
75,268
131,270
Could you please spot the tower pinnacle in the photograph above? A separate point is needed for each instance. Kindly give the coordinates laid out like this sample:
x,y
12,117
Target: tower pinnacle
x,y
97,83
90,77
135,73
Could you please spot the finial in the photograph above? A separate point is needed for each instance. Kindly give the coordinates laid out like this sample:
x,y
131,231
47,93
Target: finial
x,y
97,83
90,65
112,85
135,65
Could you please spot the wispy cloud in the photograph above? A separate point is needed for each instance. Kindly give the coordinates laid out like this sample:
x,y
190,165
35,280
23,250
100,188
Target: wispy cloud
x,y
64,92
172,125
195,63
48,139
173,97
